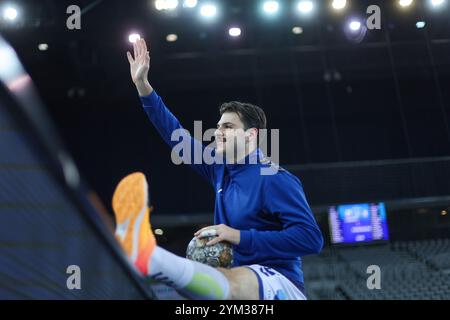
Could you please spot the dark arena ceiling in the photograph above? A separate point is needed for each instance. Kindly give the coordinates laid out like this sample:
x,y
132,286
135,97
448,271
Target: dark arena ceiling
x,y
335,95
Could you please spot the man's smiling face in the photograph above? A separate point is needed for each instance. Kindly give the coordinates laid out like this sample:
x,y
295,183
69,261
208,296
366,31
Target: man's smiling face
x,y
230,130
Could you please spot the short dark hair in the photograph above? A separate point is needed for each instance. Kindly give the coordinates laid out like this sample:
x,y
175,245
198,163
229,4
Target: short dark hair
x,y
252,116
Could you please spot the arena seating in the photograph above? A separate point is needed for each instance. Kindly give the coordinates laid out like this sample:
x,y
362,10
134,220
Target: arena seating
x,y
410,270
436,253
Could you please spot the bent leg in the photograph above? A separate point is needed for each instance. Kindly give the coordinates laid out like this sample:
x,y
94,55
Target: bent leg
x,y
244,284
191,279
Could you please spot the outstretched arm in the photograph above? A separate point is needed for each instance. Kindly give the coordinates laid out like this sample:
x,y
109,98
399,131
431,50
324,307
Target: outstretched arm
x,y
163,120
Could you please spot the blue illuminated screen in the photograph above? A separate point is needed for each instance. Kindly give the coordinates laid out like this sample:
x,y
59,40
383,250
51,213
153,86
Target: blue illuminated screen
x,y
351,223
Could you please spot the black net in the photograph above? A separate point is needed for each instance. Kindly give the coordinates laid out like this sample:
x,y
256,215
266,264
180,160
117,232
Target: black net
x,y
45,226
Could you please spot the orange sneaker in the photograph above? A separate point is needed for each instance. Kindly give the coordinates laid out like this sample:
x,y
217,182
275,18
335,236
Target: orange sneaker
x,y
133,229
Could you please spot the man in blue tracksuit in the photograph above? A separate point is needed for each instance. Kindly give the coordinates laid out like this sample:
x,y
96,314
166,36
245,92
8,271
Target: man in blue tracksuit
x,y
265,217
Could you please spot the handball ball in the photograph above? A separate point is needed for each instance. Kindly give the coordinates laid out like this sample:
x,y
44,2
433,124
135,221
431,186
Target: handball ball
x,y
219,255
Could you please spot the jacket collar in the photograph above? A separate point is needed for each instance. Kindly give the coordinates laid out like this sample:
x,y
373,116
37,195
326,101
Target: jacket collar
x,y
251,159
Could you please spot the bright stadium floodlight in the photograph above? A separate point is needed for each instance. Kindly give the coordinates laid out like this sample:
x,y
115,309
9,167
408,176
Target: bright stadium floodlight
x,y
234,32
10,13
271,7
190,3
43,47
171,37
435,4
159,5
297,30
339,4
166,4
305,6
355,30
134,37
405,3
420,24
208,10
354,25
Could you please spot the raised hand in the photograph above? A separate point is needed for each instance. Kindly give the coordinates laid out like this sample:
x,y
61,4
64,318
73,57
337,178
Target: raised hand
x,y
140,63
140,66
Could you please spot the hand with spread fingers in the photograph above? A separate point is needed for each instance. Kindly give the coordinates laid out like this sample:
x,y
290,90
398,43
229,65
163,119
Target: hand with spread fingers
x,y
139,67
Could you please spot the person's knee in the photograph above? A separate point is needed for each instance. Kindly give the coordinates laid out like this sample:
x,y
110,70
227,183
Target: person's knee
x,y
243,283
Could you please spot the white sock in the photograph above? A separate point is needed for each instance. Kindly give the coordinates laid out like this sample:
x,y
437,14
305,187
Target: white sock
x,y
190,278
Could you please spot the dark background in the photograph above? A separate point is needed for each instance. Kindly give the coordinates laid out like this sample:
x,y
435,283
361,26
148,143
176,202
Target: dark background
x,y
333,99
